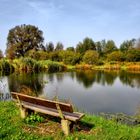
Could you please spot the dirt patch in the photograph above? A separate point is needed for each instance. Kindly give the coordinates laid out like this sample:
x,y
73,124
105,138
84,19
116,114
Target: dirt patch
x,y
45,128
53,127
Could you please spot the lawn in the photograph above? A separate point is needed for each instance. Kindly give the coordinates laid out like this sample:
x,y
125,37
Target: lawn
x,y
90,127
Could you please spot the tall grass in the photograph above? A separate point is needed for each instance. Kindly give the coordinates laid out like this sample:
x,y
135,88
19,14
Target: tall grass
x,y
52,66
27,65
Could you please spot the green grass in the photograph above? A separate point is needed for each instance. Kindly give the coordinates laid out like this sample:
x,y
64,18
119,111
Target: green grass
x,y
92,128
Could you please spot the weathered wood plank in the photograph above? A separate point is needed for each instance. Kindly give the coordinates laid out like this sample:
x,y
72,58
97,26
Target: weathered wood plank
x,y
75,116
43,102
47,106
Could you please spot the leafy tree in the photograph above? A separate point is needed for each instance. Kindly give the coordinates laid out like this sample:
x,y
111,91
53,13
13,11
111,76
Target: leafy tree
x,y
38,55
54,56
115,56
137,44
80,48
70,49
1,54
127,45
133,55
70,57
87,44
23,38
110,47
33,54
98,47
10,52
50,47
91,57
59,46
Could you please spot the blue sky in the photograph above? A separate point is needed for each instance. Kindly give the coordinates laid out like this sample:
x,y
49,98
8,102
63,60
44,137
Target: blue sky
x,y
70,21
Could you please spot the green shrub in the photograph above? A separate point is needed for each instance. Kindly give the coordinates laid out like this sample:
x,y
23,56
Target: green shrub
x,y
100,63
133,55
91,57
33,118
5,66
70,57
115,56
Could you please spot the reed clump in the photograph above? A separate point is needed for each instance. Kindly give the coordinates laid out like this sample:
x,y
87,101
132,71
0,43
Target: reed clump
x,y
27,65
52,66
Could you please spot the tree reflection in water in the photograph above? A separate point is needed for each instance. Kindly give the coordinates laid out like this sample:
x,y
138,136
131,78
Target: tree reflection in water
x,y
34,83
30,84
89,77
130,78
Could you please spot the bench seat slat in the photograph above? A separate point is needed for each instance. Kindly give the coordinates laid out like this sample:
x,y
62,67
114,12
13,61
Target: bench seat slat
x,y
43,102
75,116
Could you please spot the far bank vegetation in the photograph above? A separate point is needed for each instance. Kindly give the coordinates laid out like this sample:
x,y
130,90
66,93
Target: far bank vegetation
x,y
26,51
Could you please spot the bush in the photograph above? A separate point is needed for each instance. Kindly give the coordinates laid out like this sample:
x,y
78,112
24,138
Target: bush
x,y
70,57
133,55
115,56
37,55
91,57
100,62
5,66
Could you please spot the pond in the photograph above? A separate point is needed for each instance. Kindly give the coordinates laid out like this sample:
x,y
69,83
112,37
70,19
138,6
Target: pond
x,y
89,91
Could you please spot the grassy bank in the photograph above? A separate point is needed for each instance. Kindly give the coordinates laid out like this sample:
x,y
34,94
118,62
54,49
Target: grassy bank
x,y
31,65
90,128
130,66
134,66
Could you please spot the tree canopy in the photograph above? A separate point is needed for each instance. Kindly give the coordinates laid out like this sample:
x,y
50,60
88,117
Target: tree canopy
x,y
27,41
50,47
91,57
127,45
23,38
110,47
59,46
87,44
1,54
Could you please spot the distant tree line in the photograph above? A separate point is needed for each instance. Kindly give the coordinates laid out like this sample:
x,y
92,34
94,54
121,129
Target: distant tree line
x,y
28,41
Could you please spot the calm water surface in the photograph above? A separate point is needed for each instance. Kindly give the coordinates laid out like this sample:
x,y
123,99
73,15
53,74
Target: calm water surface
x,y
89,91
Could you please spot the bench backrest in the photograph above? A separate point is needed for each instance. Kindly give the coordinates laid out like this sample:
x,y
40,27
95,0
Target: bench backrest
x,y
42,102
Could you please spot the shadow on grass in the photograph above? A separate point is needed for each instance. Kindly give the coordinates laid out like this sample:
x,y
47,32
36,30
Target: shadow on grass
x,y
83,126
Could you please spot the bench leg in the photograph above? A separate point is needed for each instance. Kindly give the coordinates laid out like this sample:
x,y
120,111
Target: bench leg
x,y
65,124
23,112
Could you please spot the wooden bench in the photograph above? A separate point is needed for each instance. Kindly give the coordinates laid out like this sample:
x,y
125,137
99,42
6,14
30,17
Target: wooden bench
x,y
53,108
